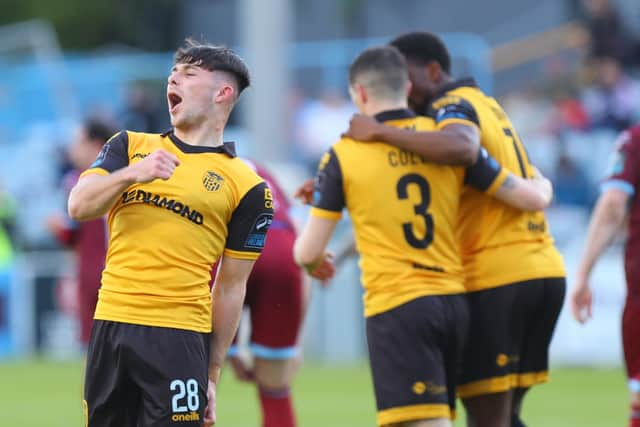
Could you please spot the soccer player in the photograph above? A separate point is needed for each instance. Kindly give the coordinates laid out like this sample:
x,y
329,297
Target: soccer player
x,y
513,273
176,202
404,213
616,201
276,297
89,238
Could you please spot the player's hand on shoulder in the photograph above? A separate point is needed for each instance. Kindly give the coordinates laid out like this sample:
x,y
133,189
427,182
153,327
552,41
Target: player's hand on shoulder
x,y
210,410
158,165
305,192
362,128
581,301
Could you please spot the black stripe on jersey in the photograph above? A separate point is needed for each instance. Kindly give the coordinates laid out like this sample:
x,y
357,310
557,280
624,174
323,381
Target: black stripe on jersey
x,y
483,172
399,114
328,193
458,108
251,220
228,148
114,154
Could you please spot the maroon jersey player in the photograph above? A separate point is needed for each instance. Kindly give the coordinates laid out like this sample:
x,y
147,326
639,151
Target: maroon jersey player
x,y
618,200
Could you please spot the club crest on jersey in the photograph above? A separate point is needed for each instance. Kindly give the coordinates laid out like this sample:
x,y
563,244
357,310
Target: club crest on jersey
x,y
212,181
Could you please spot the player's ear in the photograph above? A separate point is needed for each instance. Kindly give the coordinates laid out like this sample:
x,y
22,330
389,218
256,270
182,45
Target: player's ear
x,y
408,87
225,93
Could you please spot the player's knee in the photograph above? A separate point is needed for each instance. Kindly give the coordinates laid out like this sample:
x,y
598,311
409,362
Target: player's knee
x,y
635,399
273,374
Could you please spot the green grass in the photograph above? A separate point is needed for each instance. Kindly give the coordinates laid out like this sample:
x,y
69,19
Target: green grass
x,y
44,393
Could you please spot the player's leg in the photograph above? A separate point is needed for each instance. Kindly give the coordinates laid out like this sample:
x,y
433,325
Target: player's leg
x,y
541,301
170,367
631,346
407,353
489,357
277,308
110,396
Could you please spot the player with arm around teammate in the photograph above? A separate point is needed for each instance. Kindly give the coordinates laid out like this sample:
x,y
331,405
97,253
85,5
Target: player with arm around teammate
x,y
508,255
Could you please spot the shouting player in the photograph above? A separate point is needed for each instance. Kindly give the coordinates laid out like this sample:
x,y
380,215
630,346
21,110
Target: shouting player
x,y
176,202
404,212
619,198
508,255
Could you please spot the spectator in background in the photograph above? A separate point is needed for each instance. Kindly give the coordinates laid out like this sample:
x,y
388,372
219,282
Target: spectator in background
x,y
612,100
139,114
607,34
89,239
320,123
571,184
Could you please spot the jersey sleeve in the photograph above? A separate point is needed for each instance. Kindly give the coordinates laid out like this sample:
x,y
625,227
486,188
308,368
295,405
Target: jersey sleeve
x,y
486,174
249,224
453,109
623,171
328,195
113,156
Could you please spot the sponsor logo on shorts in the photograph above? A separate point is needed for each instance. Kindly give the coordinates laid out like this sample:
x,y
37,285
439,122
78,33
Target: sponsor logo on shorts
x,y
181,418
420,387
503,360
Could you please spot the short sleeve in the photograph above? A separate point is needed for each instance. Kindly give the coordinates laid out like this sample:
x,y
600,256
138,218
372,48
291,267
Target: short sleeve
x,y
113,156
328,195
486,174
249,223
453,109
623,173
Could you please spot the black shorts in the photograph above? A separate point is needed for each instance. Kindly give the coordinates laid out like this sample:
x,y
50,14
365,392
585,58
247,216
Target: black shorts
x,y
145,376
510,331
415,351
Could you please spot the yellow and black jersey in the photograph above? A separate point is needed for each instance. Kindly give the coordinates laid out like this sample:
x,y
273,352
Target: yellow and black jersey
x,y
404,212
500,244
165,236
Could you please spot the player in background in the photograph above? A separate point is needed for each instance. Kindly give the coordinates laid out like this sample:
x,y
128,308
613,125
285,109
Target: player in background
x,y
176,202
89,238
509,256
277,297
404,222
617,201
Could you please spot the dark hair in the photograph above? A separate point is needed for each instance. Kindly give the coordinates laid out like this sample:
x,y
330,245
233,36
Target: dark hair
x,y
98,130
386,67
214,58
423,47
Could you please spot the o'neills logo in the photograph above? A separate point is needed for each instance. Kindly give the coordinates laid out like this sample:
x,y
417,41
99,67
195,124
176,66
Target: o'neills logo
x,y
191,416
174,206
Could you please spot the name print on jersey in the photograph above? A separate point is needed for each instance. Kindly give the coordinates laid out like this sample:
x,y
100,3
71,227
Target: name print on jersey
x,y
172,205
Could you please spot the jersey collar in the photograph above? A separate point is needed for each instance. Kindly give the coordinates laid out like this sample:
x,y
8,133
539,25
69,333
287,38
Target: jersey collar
x,y
465,82
228,148
399,114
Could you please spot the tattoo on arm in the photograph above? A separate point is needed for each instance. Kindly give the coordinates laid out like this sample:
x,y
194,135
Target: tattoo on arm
x,y
509,183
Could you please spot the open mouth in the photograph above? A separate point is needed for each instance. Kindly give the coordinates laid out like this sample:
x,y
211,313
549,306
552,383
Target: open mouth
x,y
174,100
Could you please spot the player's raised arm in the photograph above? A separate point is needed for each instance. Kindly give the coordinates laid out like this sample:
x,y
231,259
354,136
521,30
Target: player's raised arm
x,y
101,185
454,144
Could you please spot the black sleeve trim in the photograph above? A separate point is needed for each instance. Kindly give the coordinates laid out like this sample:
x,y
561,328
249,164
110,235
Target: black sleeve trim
x,y
328,193
483,172
114,154
251,220
457,108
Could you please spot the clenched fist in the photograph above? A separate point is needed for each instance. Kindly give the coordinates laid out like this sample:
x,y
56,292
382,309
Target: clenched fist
x,y
158,165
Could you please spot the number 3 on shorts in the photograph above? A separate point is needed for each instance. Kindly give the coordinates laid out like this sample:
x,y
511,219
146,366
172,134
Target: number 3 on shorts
x,y
188,389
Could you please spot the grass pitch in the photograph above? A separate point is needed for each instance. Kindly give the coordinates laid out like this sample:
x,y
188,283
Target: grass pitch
x,y
46,393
